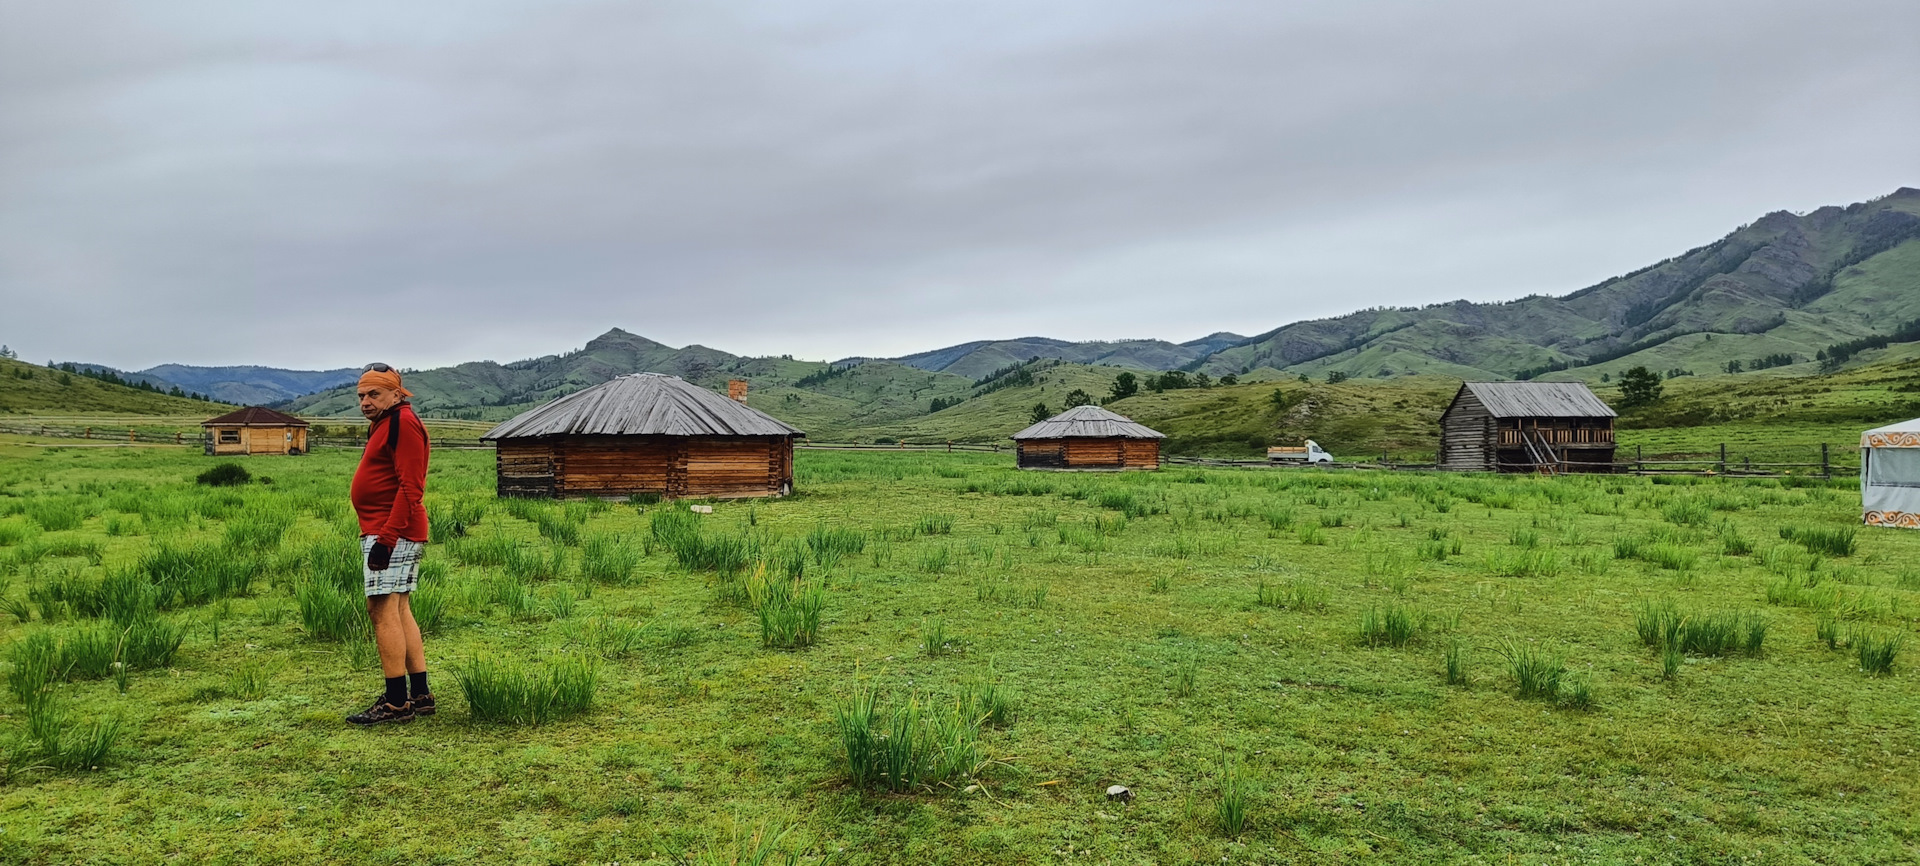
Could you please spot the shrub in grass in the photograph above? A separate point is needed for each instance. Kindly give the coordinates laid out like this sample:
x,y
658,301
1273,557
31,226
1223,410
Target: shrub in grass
x,y
509,692
1393,625
1536,672
224,475
610,559
1827,540
1230,812
330,613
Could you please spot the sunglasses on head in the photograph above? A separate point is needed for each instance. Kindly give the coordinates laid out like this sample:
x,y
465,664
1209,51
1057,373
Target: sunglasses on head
x,y
376,367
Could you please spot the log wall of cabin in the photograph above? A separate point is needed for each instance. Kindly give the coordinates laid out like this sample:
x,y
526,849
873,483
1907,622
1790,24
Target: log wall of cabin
x,y
1089,453
671,466
1467,435
257,440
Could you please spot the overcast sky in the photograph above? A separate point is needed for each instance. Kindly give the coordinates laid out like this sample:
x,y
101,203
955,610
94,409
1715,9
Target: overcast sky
x,y
321,184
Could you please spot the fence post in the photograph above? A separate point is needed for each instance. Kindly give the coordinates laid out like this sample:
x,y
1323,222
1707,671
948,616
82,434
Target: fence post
x,y
949,446
1826,471
176,437
1723,458
1639,465
89,433
129,434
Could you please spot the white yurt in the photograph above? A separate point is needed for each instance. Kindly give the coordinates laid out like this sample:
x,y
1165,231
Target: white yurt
x,y
1890,475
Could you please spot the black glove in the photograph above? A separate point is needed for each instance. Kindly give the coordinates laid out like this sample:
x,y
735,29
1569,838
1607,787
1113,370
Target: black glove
x,y
379,557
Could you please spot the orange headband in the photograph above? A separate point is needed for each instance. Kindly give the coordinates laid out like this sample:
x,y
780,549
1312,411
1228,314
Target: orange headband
x,y
389,380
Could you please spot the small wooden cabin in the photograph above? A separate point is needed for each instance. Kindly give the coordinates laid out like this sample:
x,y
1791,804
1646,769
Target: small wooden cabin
x,y
1088,437
255,430
1526,427
644,433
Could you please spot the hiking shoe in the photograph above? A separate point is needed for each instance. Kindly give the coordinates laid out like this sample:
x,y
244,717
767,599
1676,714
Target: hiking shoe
x,y
422,705
380,712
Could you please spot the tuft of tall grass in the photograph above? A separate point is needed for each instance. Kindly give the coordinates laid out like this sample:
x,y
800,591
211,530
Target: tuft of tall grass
x,y
986,703
1827,540
1186,676
1876,651
788,608
57,514
830,544
509,692
258,529
933,524
330,613
933,638
196,575
1456,663
607,558
1393,625
907,748
1298,595
1230,811
1663,627
1536,672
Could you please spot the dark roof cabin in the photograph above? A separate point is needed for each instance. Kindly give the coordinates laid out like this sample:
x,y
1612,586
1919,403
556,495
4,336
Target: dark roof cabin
x,y
1088,437
644,433
1526,427
255,430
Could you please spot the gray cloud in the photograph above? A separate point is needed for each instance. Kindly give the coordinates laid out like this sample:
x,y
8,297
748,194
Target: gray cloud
x,y
313,186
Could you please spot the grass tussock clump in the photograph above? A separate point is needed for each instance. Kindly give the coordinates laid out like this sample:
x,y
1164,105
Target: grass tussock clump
x,y
1393,625
1298,595
1824,540
609,559
508,692
1662,626
906,749
788,608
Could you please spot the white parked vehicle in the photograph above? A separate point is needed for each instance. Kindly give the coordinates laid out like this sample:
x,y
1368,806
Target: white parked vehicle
x,y
1309,453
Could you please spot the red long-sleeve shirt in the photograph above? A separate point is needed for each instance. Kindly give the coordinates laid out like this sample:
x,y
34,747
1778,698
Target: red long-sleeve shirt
x,y
387,487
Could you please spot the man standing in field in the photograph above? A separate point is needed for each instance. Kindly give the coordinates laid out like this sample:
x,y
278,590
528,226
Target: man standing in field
x,y
387,492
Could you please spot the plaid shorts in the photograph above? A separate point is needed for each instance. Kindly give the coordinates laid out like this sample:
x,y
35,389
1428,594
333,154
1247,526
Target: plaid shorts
x,y
403,569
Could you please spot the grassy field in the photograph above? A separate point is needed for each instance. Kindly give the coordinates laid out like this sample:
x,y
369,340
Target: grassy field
x,y
1283,666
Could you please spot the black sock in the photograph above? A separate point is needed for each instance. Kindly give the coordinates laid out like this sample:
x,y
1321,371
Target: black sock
x,y
397,691
418,680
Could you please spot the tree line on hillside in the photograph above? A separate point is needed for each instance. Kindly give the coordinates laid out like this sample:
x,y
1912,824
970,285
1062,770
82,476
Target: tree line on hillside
x,y
69,369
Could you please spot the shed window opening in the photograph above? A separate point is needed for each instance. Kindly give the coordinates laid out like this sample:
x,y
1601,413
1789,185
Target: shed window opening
x,y
1893,467
229,437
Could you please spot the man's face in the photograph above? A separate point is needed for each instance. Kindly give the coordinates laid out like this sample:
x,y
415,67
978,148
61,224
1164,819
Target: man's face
x,y
375,400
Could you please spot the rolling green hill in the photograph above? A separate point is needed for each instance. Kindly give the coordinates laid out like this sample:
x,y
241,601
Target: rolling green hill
x,y
30,389
1787,283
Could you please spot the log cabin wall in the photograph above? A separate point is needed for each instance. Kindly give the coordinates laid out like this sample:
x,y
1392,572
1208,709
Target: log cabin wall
x,y
1089,453
1467,435
257,440
671,466
1042,454
1142,453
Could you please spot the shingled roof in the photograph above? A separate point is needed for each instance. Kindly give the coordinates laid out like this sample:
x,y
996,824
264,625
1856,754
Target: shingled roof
x,y
643,404
1538,400
1089,422
254,416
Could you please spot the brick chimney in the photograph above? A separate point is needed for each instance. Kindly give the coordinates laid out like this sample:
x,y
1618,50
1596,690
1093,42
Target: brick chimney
x,y
737,389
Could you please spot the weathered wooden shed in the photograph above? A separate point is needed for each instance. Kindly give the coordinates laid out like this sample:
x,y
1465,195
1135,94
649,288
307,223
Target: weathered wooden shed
x,y
644,433
255,430
1088,437
1526,427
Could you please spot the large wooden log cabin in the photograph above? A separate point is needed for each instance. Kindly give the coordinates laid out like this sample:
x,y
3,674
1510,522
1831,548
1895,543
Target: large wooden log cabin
x,y
645,433
1526,427
1088,437
255,430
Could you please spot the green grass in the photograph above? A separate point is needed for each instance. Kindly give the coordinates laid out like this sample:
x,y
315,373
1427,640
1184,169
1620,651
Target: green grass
x,y
1114,653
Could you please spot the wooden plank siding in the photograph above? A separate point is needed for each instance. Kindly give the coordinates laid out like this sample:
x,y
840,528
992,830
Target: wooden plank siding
x,y
1474,440
671,466
256,440
1089,453
1467,435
